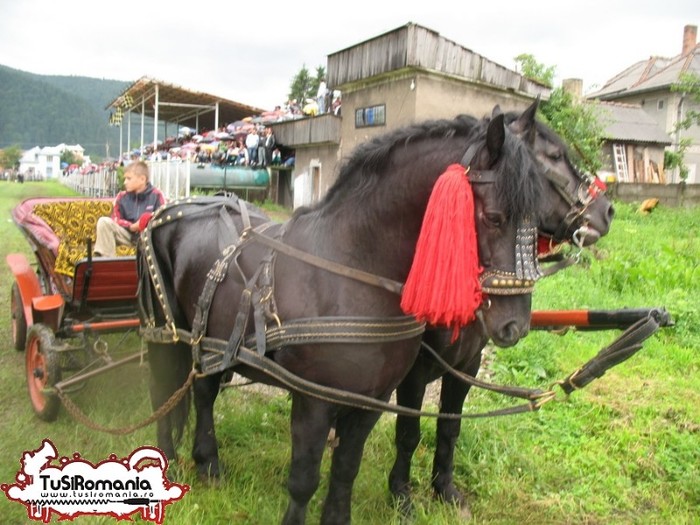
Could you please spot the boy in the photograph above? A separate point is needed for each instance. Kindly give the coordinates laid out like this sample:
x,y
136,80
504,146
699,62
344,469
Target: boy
x,y
132,209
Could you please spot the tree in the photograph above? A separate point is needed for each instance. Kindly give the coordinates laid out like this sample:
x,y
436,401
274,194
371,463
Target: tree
x,y
305,86
578,124
9,157
69,158
530,68
688,86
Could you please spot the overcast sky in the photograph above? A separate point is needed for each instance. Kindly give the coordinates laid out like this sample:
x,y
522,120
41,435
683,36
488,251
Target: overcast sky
x,y
250,51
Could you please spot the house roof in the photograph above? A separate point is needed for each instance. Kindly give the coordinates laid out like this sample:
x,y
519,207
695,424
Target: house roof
x,y
630,123
177,104
649,75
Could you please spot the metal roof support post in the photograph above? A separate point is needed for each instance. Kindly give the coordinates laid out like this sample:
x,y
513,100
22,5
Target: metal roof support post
x,y
216,116
143,123
155,120
128,131
121,141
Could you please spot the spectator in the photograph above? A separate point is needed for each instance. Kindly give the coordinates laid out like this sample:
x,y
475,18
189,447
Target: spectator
x,y
251,143
267,144
132,209
276,157
242,154
321,96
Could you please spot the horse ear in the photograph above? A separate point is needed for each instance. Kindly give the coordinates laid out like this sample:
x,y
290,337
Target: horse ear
x,y
495,136
496,111
525,127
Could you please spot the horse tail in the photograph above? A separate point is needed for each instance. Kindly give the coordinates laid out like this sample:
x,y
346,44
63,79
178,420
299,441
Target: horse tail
x,y
170,366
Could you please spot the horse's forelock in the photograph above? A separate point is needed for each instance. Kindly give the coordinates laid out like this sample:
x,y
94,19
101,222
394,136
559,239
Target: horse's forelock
x,y
518,183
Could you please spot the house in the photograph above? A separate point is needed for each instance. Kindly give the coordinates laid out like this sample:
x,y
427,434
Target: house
x,y
45,163
647,84
403,76
633,149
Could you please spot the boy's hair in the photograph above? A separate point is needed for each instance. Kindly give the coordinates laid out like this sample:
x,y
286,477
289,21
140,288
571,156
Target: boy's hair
x,y
138,168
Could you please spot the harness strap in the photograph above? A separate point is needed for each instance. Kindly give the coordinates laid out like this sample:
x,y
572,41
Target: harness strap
x,y
352,399
624,347
251,358
325,264
217,273
165,215
343,330
512,391
218,355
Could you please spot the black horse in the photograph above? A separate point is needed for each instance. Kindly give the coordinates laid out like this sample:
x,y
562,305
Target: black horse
x,y
370,221
574,209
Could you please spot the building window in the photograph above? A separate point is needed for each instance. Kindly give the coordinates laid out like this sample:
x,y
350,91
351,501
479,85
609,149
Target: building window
x,y
371,116
660,104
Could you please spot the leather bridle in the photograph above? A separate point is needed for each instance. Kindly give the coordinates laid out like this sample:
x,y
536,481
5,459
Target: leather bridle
x,y
573,228
527,270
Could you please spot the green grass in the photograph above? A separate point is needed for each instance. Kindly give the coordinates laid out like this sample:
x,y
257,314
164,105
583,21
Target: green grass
x,y
624,450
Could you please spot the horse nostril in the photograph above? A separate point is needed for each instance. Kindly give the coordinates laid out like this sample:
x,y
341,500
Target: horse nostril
x,y
611,213
510,334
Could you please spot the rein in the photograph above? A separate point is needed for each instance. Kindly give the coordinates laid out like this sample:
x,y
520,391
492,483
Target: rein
x,y
622,348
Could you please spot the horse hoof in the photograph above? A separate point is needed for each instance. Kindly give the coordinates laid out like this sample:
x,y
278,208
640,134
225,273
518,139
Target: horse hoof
x,y
404,505
452,496
465,512
209,481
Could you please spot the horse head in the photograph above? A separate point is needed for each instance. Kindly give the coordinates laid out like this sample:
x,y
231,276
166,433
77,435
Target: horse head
x,y
575,207
506,186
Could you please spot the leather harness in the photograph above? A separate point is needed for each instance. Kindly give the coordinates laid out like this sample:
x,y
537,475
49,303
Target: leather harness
x,y
212,355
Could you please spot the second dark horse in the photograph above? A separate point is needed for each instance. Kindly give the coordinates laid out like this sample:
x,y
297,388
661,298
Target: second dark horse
x,y
574,209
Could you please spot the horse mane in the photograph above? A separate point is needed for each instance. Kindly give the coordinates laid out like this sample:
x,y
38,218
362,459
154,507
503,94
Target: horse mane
x,y
364,169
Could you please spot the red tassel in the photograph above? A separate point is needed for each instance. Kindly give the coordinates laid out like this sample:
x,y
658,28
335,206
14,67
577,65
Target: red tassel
x,y
443,285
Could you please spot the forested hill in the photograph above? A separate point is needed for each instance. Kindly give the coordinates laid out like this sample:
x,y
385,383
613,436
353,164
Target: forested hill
x,y
44,110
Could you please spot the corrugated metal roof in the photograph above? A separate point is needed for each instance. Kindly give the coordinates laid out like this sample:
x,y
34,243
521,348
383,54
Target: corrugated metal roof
x,y
648,75
630,123
177,104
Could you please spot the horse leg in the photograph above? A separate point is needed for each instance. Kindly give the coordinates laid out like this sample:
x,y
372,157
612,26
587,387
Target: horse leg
x,y
452,396
410,393
169,365
205,451
311,422
352,429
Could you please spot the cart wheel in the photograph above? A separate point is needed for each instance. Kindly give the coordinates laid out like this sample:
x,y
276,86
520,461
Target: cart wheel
x,y
43,371
19,321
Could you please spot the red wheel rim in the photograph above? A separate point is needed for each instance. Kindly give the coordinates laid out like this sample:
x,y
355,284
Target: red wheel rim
x,y
37,375
15,315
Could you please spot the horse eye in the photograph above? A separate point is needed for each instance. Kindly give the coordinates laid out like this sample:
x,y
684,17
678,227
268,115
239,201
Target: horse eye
x,y
494,219
556,156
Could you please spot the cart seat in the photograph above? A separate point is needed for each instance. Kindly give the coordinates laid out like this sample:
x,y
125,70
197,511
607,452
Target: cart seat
x,y
104,280
74,222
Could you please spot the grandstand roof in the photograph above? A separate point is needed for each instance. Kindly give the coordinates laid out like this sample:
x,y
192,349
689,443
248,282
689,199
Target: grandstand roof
x,y
176,104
